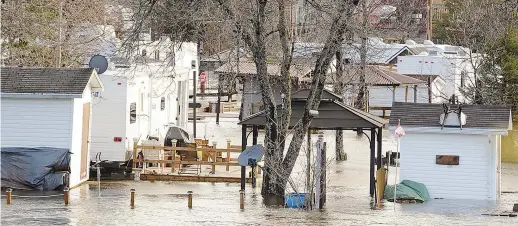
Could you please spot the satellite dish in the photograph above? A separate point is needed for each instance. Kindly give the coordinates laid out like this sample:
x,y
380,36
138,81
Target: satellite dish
x,y
255,152
99,63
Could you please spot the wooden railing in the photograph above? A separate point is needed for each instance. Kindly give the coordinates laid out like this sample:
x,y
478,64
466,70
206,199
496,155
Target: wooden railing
x,y
171,151
384,109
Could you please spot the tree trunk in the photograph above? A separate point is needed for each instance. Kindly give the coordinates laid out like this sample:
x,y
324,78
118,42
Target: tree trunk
x,y
360,100
339,89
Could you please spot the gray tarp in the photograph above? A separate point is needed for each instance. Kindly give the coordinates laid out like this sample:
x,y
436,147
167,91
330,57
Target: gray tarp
x,y
33,168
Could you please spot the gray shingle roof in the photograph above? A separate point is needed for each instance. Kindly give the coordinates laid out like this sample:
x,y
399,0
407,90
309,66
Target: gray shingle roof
x,y
45,80
331,115
428,115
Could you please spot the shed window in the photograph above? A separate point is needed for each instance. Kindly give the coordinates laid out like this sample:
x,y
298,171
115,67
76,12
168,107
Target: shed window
x,y
133,112
162,103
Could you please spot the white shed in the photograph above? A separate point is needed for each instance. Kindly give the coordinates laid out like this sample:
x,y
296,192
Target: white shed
x,y
50,107
453,162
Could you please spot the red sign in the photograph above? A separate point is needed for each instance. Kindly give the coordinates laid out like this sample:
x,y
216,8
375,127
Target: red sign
x,y
203,78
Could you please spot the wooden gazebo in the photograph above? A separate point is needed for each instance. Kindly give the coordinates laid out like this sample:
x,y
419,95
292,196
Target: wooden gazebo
x,y
332,115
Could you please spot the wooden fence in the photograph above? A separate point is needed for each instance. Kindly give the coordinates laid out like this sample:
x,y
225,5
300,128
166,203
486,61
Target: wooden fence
x,y
210,155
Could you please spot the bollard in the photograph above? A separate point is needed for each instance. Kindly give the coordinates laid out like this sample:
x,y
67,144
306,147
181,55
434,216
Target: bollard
x,y
189,199
241,199
65,195
132,199
9,195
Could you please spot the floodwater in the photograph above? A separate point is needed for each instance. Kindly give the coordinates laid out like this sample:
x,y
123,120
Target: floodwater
x,y
165,203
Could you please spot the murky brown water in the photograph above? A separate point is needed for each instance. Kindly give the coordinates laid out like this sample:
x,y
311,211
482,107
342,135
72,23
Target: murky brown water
x,y
165,203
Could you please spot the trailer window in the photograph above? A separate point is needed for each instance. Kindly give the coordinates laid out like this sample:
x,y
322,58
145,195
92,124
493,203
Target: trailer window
x,y
162,103
133,112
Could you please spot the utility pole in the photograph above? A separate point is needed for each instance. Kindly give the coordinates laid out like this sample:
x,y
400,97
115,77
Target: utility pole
x,y
60,31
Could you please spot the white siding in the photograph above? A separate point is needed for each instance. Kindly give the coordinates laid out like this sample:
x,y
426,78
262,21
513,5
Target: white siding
x,y
109,119
473,178
77,133
36,122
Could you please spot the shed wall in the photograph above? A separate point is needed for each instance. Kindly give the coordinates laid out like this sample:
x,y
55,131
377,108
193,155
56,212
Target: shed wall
x,y
473,178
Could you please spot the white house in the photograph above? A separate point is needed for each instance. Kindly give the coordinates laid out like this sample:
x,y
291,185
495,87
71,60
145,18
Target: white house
x,y
453,162
50,107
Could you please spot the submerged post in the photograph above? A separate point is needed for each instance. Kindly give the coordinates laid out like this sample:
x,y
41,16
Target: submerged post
x,y
9,193
243,148
189,199
65,195
242,199
132,198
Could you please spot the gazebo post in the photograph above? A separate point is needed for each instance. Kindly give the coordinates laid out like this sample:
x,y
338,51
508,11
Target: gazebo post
x,y
372,160
406,94
243,148
255,134
380,137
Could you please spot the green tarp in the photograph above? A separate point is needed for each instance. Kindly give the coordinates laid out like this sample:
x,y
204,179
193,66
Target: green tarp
x,y
407,189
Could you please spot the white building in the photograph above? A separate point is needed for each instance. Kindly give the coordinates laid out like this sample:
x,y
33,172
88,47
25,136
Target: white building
x,y
454,64
154,96
453,162
50,107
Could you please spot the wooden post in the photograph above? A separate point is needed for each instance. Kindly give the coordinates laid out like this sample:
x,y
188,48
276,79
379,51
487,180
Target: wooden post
x,y
379,139
228,155
323,179
308,168
134,154
242,199
173,153
214,157
132,198
415,94
65,195
9,193
189,199
406,94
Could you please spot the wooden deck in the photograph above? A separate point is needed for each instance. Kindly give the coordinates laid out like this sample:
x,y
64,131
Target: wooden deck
x,y
189,174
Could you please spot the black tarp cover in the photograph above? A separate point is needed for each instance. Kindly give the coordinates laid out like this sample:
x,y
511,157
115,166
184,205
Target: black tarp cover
x,y
33,168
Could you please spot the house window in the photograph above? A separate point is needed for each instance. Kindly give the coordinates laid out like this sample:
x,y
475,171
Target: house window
x,y
157,55
162,103
144,52
463,79
133,112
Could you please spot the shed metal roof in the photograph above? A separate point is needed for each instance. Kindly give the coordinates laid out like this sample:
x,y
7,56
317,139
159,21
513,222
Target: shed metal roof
x,y
46,80
332,115
428,115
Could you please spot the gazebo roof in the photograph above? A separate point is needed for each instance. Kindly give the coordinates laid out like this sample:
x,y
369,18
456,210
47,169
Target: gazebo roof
x,y
377,76
326,95
332,115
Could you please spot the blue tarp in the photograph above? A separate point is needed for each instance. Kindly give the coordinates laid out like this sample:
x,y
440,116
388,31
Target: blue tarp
x,y
34,168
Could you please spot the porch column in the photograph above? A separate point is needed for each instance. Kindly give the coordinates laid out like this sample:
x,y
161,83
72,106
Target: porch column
x,y
243,148
415,93
393,94
372,160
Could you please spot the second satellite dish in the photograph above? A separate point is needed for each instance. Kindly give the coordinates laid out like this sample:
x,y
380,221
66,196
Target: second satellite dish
x,y
255,152
99,63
